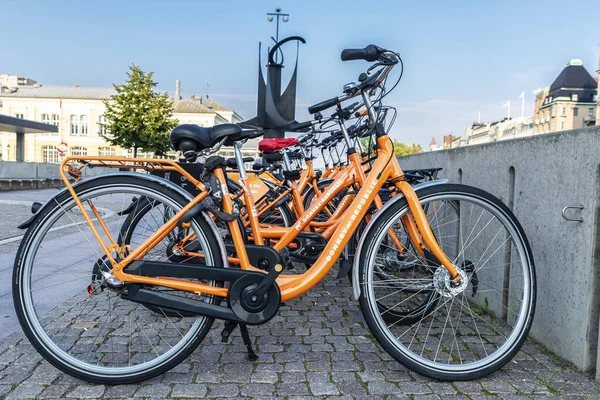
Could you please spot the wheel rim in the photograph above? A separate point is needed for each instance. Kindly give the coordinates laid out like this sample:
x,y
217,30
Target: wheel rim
x,y
449,343
85,331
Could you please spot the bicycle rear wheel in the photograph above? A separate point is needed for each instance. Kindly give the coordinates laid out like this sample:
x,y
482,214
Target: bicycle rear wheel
x,y
463,332
99,336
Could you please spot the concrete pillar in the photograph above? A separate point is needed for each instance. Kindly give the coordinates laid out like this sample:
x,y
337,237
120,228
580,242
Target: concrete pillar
x,y
20,150
5,148
177,90
598,94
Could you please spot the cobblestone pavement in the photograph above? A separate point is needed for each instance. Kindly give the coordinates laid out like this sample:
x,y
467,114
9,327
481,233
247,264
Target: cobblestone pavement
x,y
317,347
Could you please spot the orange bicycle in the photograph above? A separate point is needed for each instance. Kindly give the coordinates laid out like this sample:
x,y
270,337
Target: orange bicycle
x,y
443,272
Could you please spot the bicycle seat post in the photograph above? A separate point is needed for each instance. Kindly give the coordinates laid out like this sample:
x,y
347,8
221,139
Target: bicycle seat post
x,y
286,161
237,149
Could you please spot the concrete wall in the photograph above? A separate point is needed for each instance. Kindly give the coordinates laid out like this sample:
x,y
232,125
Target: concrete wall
x,y
551,171
25,175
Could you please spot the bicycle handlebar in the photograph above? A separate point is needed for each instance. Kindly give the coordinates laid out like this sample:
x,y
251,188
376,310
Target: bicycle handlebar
x,y
323,105
301,125
369,53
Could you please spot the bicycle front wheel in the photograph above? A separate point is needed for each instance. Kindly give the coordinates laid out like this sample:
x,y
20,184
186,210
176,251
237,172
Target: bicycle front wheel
x,y
452,333
77,322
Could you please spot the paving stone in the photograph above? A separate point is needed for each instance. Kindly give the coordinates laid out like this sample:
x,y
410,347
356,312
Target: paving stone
x,y
207,377
378,387
171,377
318,348
120,391
271,367
498,387
416,388
293,377
291,389
44,374
56,392
87,392
26,391
4,389
352,388
225,390
189,390
371,376
154,391
255,390
323,388
264,377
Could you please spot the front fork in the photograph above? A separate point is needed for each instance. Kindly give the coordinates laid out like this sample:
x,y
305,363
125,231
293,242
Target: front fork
x,y
419,230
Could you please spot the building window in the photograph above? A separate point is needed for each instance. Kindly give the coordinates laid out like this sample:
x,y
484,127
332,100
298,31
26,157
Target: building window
x,y
101,127
74,125
574,97
49,154
19,115
55,119
553,112
45,118
106,151
590,112
84,125
575,111
563,111
562,125
78,151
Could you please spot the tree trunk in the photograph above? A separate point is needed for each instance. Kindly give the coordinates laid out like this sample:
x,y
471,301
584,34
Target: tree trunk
x,y
134,152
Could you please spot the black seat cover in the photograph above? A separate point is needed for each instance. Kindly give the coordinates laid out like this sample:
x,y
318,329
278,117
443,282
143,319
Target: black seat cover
x,y
232,162
204,138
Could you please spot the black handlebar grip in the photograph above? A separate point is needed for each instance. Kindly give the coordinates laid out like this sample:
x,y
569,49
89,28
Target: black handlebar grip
x,y
300,126
323,105
369,53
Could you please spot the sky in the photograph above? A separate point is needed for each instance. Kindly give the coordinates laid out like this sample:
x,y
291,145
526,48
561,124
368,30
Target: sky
x,y
461,58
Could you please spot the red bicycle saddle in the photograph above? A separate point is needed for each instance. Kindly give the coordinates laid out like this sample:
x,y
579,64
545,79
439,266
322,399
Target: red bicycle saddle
x,y
275,144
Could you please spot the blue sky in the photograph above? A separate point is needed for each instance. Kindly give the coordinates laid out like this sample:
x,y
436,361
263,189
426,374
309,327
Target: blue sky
x,y
461,57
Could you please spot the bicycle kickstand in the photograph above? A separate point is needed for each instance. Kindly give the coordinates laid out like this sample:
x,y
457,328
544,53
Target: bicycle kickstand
x,y
252,356
226,333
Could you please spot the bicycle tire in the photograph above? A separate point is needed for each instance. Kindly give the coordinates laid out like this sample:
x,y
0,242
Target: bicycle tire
x,y
502,342
38,328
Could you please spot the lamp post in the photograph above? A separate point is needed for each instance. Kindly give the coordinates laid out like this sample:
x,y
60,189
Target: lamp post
x,y
284,17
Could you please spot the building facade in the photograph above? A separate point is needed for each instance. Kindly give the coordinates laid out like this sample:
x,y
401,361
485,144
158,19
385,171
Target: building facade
x,y
8,82
79,113
507,128
569,103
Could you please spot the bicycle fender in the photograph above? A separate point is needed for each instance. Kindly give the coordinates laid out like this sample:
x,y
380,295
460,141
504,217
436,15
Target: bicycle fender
x,y
63,195
356,290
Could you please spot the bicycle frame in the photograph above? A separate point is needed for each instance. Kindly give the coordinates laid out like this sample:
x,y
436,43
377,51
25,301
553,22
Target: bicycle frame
x,y
386,166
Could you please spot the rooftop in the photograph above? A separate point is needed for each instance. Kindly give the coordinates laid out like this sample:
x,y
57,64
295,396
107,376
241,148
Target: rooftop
x,y
61,92
191,106
573,79
213,105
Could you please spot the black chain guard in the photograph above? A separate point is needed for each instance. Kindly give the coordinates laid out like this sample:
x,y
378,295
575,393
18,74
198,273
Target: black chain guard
x,y
253,313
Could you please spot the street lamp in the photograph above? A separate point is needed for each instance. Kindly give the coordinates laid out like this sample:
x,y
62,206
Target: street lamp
x,y
284,17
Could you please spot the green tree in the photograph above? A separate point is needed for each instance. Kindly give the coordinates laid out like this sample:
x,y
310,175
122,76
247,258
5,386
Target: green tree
x,y
400,149
137,117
